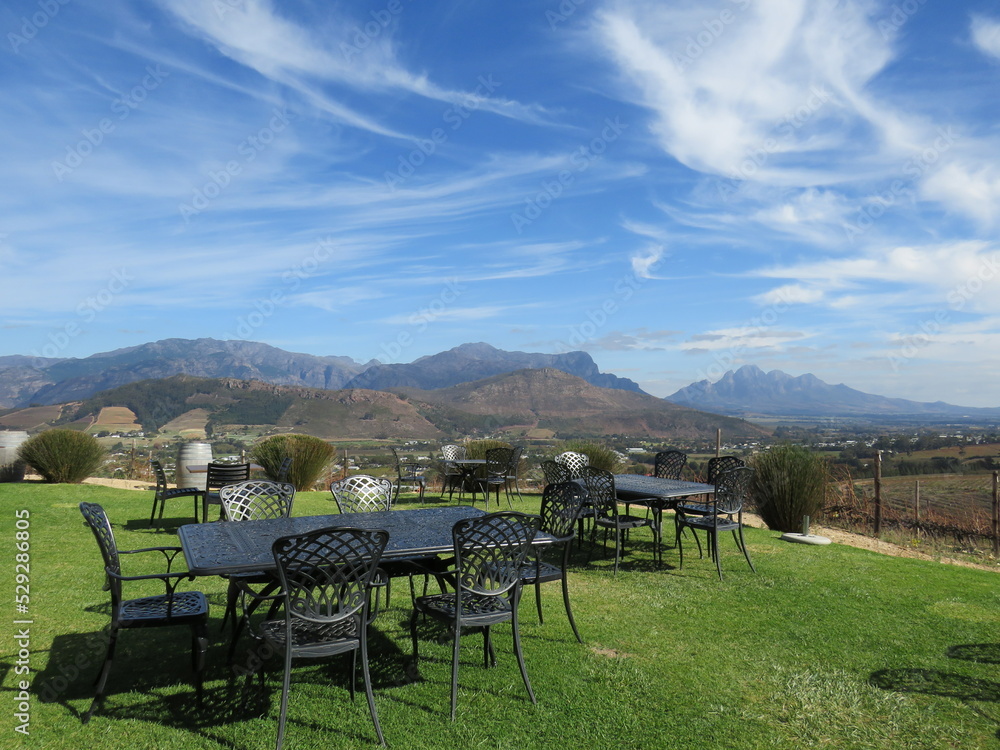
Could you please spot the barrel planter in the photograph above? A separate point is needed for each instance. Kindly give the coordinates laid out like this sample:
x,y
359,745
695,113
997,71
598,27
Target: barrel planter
x,y
11,467
192,454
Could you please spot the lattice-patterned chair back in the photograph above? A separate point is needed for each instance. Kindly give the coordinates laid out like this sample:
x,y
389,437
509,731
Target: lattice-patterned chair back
x,y
453,452
256,499
719,464
490,549
601,491
731,490
561,504
98,521
555,473
573,461
326,575
362,494
669,464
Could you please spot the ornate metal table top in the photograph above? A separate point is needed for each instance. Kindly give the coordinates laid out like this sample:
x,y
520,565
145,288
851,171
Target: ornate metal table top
x,y
226,547
638,486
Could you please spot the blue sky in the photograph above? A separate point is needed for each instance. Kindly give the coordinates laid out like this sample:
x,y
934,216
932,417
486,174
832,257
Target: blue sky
x,y
677,188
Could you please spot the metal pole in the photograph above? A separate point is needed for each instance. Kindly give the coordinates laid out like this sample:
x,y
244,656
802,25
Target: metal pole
x,y
718,441
996,512
878,493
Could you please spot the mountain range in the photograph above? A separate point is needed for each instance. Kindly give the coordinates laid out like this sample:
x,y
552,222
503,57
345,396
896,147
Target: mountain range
x,y
525,403
750,392
37,380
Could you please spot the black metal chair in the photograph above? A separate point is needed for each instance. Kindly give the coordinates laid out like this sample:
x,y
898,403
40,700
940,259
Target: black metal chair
x,y
561,504
218,475
173,607
511,485
726,514
669,464
601,488
716,465
555,472
164,493
408,472
326,578
489,553
573,461
452,476
494,474
362,493
252,500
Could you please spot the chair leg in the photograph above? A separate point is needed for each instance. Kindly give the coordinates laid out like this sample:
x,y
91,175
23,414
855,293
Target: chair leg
x,y
569,609
199,647
538,601
714,541
102,676
520,655
743,546
368,685
454,670
285,685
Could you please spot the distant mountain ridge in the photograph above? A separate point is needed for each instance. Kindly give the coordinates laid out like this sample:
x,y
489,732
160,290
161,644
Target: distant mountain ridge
x,y
35,380
512,404
470,362
749,391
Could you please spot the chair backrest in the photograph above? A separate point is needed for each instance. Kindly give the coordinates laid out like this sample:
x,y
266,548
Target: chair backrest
x,y
284,469
98,521
574,462
257,499
453,452
601,491
731,489
326,574
220,474
161,476
718,464
555,473
490,549
561,504
515,460
498,460
668,464
362,493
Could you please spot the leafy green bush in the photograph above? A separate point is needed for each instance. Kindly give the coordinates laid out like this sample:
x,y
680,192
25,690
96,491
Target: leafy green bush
x,y
789,482
600,456
62,456
310,457
477,448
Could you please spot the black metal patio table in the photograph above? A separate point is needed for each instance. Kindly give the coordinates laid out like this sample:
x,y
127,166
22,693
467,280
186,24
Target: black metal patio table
x,y
224,547
656,493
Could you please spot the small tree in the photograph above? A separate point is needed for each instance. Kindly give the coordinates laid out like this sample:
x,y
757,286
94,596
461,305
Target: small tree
x,y
310,457
62,456
789,482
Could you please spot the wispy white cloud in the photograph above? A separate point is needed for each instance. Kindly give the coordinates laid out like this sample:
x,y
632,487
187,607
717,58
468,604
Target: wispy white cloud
x,y
986,35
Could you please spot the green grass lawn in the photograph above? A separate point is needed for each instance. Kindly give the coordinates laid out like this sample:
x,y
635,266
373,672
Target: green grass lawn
x,y
823,647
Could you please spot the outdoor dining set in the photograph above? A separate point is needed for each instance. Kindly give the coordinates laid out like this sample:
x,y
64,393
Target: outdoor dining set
x,y
309,587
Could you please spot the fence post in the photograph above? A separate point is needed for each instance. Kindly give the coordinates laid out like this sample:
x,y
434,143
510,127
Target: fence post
x,y
878,493
718,441
916,500
996,512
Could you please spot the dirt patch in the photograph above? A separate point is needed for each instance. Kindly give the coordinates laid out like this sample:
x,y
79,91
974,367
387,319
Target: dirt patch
x,y
839,536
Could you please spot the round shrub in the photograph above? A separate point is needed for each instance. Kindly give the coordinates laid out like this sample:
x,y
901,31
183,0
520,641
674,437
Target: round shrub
x,y
310,457
789,482
62,456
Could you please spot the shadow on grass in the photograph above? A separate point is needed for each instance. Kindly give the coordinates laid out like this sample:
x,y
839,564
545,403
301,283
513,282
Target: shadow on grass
x,y
968,690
